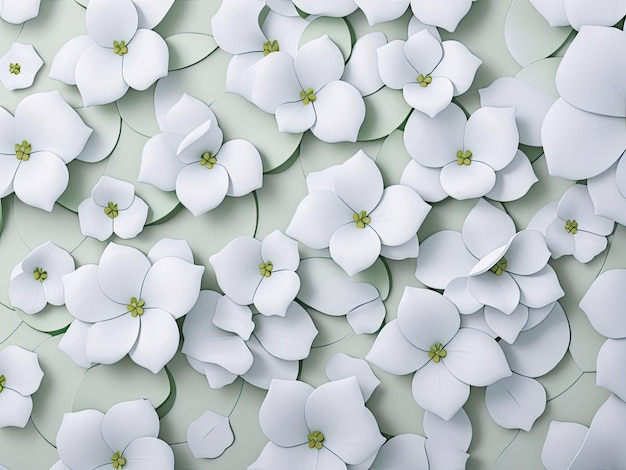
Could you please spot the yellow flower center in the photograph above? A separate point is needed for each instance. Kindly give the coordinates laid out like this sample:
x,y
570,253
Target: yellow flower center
x,y
307,96
463,158
117,461
40,275
424,80
2,380
315,439
361,219
111,210
120,48
207,160
135,307
266,268
270,46
15,68
571,226
22,151
499,266
436,352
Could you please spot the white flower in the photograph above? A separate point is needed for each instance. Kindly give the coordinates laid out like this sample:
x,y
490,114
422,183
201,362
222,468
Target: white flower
x,y
126,435
427,339
376,11
36,281
322,428
112,208
130,302
121,50
578,13
35,146
306,92
428,72
465,159
349,211
445,14
189,156
224,340
19,66
261,273
571,226
20,377
19,11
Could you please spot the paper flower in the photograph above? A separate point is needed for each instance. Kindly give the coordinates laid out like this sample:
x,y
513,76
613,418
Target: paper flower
x,y
19,11
131,301
35,146
427,339
306,92
571,226
376,11
428,72
496,267
261,273
464,159
350,212
121,50
36,281
309,429
125,436
445,14
579,13
19,66
189,156
20,377
112,208
224,340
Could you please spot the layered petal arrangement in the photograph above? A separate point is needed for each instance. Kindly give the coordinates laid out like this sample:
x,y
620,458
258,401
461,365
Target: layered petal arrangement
x,y
578,13
376,11
445,14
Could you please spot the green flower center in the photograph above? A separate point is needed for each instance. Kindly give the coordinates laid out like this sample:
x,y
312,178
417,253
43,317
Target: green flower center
x,y
117,461
120,48
207,160
463,158
265,267
135,307
270,46
39,274
307,96
499,266
424,80
315,439
22,151
361,219
2,379
111,210
571,226
436,352
15,68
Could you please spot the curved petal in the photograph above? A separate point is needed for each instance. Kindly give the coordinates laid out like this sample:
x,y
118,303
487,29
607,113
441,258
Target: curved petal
x,y
436,390
17,12
459,294
603,303
285,27
281,415
588,245
16,409
335,8
498,291
266,367
129,223
159,165
540,288
340,112
41,180
359,184
157,342
514,180
233,317
273,457
275,82
576,204
378,12
276,293
111,189
361,71
8,168
479,241
552,11
239,77
491,135
147,453
111,20
393,66
93,221
443,14
109,341
207,137
99,76
606,196
151,12
318,63
611,361
458,65
424,181
73,343
559,242
431,99
84,298
27,293
527,253
186,115
442,454
121,272
235,26
507,327
354,249
467,181
398,451
79,440
516,402
457,431
64,63
295,117
562,443
341,366
22,370
392,352
281,250
128,421
423,51
146,60
201,189
406,250
167,247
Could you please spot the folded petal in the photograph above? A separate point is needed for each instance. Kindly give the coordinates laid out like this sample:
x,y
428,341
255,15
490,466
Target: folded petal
x,y
146,453
159,165
443,14
281,415
467,181
393,66
186,115
146,60
233,317
275,82
514,180
157,342
99,76
458,65
479,241
340,112
41,180
354,249
436,390
318,63
423,51
201,189
491,135
276,293
431,99
235,26
295,117
64,63
84,298
540,288
507,327
392,352
121,272
111,20
459,294
128,421
107,342
498,291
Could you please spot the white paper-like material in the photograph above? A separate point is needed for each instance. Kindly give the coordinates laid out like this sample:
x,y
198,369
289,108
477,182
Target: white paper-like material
x,y
22,377
209,435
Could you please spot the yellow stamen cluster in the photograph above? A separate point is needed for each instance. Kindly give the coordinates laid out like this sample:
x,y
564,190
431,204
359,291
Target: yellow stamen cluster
x,y
499,266
40,275
463,158
266,268
22,151
117,461
315,439
436,352
270,46
111,210
208,160
307,96
135,307
120,48
15,68
361,219
571,226
424,80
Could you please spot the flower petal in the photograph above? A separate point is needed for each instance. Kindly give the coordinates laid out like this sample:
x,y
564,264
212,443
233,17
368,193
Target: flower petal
x,y
576,204
159,165
157,342
603,303
431,99
129,223
458,65
209,435
27,293
341,366
121,272
17,12
436,390
514,180
392,352
606,196
458,293
354,249
377,12
398,451
201,189
146,61
467,181
406,250
445,15
151,12
516,402
22,370
273,457
147,453
16,409
266,367
562,443
128,421
539,289
79,440
491,134
340,112
167,247
8,169
281,250
359,184
361,71
335,8
507,327
295,117
424,181
479,241
111,20
527,253
64,63
457,431
244,166
73,343
233,317
611,361
275,82
93,221
275,293
318,63
235,26
423,51
498,291
441,454
393,66
99,76
107,342
281,415
187,114
41,180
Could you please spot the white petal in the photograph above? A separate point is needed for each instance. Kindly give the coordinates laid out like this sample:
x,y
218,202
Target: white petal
x,y
527,253
239,76
498,291
377,12
186,115
607,199
603,303
64,64
8,168
611,361
30,62
281,415
423,51
317,218
457,430
285,28
237,269
295,117
358,183
122,271
209,435
111,189
442,258
491,134
235,26
159,165
266,367
426,317
467,181
201,189
424,181
402,451
129,223
41,180
318,63
479,241
576,204
127,421
17,12
406,250
415,26
232,317
393,66
578,144
79,440
340,111
392,352
580,13
275,82
552,10
151,12
562,443
543,218
27,293
289,337
338,8
537,315
205,137
111,20
443,455
539,289
146,60
73,343
368,317
354,249
16,409
147,453
445,15
22,370
515,402
436,390
273,457
361,71
560,243
275,293
281,250
431,99
588,245
514,180
157,342
508,327
107,342
538,350
93,221
458,65
458,293
341,366
99,76
166,247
